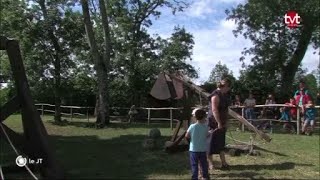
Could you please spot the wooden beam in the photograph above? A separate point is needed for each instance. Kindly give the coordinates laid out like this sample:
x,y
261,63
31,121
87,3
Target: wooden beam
x,y
176,131
191,85
194,87
12,106
33,127
249,125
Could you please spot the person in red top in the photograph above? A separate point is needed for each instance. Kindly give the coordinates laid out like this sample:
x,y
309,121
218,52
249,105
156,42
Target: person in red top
x,y
302,99
293,108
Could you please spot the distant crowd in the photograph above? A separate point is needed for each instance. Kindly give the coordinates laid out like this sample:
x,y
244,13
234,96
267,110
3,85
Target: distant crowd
x,y
301,99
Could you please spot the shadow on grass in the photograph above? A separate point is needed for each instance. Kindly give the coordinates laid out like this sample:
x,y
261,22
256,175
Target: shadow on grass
x,y
246,175
277,166
122,157
269,151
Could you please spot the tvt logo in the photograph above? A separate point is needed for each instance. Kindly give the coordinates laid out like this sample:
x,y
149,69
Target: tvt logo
x,y
292,19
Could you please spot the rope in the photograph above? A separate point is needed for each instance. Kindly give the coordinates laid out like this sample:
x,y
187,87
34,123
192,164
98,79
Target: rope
x,y
15,150
1,173
235,140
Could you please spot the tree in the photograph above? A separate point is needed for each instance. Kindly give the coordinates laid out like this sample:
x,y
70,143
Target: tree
x,y
316,74
218,72
276,48
101,59
175,51
47,31
133,43
56,52
311,83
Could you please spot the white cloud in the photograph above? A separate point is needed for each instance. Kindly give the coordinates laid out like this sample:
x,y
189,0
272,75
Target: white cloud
x,y
200,8
217,44
213,37
311,60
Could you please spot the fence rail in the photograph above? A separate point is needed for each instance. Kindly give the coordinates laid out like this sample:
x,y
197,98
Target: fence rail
x,y
171,109
71,114
298,121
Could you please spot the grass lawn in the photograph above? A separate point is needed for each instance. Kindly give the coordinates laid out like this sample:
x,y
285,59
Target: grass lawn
x,y
116,152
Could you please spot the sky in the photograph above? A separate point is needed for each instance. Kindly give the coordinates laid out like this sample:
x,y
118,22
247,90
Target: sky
x,y
213,37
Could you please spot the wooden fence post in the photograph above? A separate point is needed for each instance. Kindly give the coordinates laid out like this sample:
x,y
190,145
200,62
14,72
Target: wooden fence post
x,y
88,114
71,113
298,120
148,116
42,111
242,114
171,119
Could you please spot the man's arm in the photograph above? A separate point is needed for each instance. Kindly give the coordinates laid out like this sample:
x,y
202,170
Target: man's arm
x,y
215,103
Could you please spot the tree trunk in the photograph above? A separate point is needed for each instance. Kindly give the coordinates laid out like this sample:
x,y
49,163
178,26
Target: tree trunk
x,y
56,62
290,70
106,55
99,66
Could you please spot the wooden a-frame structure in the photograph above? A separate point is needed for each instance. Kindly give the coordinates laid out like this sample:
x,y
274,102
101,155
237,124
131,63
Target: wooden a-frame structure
x,y
34,141
162,90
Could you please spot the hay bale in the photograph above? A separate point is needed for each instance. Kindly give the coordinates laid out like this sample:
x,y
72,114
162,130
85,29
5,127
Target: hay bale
x,y
154,133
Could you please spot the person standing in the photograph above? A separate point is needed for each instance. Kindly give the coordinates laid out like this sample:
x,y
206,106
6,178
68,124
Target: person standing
x,y
310,115
198,133
249,105
219,101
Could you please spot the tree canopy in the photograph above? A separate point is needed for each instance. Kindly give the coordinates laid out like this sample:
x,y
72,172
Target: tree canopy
x,y
277,50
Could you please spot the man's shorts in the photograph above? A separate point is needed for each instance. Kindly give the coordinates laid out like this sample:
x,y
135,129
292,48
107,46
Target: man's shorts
x,y
308,121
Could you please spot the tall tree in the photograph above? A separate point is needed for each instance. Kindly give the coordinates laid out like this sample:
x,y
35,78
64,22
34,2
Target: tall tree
x,y
277,49
176,51
132,18
218,72
48,31
101,59
56,52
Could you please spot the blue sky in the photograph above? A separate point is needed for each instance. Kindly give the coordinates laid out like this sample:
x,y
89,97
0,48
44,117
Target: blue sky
x,y
214,41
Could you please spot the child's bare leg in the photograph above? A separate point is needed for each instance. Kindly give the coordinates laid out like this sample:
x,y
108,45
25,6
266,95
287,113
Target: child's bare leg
x,y
311,125
200,170
304,126
210,161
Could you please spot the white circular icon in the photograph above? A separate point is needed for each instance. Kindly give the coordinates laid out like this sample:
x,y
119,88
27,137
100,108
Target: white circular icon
x,y
21,161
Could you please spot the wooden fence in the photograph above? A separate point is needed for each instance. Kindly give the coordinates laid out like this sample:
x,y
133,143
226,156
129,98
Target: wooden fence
x,y
72,109
72,112
42,107
298,121
161,109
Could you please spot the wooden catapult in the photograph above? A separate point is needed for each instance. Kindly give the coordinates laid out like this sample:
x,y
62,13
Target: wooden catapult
x,y
176,86
34,141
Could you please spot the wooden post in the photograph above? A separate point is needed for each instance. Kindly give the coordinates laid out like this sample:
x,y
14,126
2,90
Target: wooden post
x,y
271,128
171,119
71,113
298,120
88,114
148,116
242,114
42,111
36,144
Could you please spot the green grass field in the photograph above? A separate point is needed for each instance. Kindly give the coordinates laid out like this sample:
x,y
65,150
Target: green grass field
x,y
116,152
